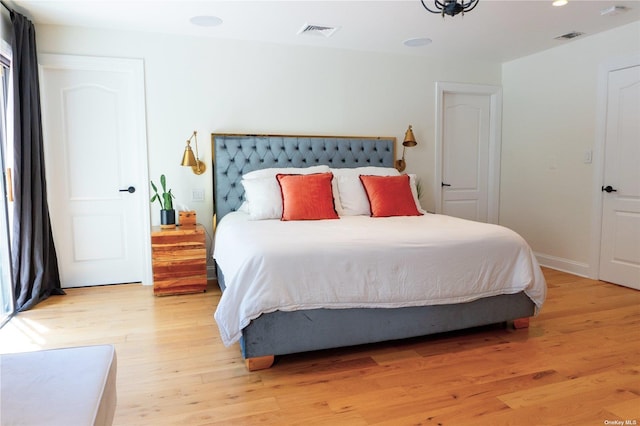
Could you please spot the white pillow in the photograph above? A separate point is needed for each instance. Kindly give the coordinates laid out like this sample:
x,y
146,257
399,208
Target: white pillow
x,y
353,198
262,192
413,182
273,171
336,195
263,198
244,207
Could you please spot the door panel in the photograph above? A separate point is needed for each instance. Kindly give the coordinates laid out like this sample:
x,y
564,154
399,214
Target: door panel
x,y
620,239
92,138
466,209
85,109
103,228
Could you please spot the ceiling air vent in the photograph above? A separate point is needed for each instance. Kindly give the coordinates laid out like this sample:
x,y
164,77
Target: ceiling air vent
x,y
320,30
569,36
614,10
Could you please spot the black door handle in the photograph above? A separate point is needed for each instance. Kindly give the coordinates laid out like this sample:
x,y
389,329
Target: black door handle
x,y
608,188
130,190
445,184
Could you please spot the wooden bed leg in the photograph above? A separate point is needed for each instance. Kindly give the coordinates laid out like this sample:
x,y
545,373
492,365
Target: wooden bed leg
x,y
259,363
521,323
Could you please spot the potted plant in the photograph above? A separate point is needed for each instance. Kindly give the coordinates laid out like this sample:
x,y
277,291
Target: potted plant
x,y
167,213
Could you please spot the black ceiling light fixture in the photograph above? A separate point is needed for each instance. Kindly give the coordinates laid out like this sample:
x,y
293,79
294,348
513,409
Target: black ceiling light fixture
x,y
451,7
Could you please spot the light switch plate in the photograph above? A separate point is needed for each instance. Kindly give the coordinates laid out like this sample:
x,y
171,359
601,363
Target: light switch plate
x,y
197,195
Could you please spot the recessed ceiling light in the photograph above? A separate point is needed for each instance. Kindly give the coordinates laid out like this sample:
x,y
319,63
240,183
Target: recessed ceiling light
x,y
206,21
558,3
417,42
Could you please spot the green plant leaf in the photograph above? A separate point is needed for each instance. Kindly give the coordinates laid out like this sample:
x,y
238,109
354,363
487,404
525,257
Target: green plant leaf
x,y
164,199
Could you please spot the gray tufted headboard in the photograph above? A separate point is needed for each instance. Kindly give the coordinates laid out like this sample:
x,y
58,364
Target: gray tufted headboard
x,y
235,155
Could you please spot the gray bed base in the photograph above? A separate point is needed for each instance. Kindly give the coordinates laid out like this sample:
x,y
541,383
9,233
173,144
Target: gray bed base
x,y
281,333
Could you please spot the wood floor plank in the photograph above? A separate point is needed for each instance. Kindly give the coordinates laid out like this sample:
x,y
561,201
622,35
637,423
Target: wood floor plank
x,y
574,389
577,364
627,410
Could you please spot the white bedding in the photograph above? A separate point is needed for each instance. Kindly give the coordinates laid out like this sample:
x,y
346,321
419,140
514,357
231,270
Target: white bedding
x,y
359,261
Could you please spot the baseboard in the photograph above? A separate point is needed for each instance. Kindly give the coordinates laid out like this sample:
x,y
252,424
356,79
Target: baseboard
x,y
565,265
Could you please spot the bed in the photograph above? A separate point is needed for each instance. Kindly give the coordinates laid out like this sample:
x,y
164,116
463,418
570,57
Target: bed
x,y
318,305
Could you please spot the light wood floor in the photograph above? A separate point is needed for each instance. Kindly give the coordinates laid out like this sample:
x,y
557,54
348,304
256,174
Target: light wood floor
x,y
577,364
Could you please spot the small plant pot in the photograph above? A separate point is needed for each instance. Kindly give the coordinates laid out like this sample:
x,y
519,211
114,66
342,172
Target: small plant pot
x,y
167,219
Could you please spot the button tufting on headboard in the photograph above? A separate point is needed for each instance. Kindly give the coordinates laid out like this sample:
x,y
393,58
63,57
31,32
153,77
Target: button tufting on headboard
x,y
236,155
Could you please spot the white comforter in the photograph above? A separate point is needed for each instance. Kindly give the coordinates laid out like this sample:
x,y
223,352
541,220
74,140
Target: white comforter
x,y
359,261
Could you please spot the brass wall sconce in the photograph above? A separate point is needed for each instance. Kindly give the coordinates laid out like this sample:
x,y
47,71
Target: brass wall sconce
x,y
190,160
409,141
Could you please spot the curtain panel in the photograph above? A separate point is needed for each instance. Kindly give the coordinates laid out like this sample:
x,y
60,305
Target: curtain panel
x,y
34,261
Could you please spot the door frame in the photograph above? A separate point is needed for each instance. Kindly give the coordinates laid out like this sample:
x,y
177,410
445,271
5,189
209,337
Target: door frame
x,y
495,142
134,67
605,68
6,283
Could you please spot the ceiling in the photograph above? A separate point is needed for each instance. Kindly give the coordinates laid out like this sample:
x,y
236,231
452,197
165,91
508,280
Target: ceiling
x,y
496,30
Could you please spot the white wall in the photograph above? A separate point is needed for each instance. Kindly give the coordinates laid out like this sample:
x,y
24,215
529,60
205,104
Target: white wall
x,y
213,85
549,122
210,85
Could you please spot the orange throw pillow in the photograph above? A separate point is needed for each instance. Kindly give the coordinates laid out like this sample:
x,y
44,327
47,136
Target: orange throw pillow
x,y
389,196
307,197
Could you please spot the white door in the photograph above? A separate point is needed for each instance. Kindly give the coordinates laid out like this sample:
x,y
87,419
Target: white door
x,y
620,238
469,155
95,150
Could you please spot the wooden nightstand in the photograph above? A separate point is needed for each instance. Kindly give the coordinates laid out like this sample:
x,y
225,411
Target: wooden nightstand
x,y
179,258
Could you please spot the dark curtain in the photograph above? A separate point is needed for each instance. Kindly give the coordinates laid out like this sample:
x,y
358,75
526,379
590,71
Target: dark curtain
x,y
33,255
